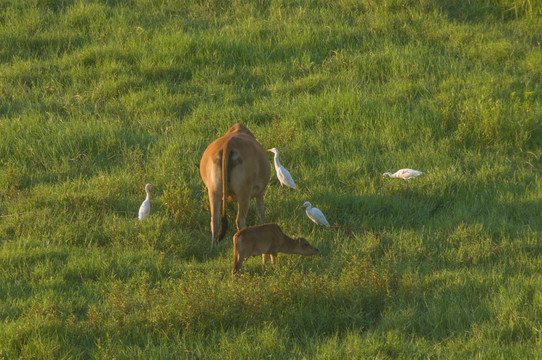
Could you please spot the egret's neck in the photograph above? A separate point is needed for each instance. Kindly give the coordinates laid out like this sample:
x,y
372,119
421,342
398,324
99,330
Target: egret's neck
x,y
148,195
389,175
276,160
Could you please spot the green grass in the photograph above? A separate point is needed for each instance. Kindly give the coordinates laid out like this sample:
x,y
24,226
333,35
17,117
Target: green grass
x,y
98,98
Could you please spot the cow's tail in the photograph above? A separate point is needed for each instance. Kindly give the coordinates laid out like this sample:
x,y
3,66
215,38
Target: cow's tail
x,y
235,253
224,221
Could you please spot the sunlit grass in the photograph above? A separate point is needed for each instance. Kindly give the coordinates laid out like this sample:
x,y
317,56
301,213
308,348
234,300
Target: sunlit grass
x,y
98,98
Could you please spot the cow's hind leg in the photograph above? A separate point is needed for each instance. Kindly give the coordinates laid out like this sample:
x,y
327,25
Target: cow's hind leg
x,y
214,200
243,202
260,207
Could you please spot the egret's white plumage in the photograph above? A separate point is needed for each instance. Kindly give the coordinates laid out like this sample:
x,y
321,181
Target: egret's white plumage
x,y
315,214
145,207
282,174
405,174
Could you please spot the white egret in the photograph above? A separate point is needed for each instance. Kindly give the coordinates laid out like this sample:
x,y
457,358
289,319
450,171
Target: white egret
x,y
405,174
145,207
282,174
315,214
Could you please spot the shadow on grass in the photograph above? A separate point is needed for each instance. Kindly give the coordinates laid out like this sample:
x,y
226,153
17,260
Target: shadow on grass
x,y
481,11
296,302
451,303
416,207
38,47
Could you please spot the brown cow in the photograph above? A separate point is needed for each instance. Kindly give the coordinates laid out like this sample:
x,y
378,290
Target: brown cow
x,y
267,239
234,167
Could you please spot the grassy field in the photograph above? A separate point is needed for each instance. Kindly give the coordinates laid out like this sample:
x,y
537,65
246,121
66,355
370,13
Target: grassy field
x,y
99,97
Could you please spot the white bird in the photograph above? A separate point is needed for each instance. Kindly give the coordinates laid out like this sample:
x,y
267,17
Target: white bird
x,y
405,174
315,214
145,207
282,174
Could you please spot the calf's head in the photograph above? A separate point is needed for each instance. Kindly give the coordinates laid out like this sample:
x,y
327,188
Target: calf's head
x,y
303,247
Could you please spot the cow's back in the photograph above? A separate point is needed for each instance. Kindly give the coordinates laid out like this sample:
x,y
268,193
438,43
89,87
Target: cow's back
x,y
250,168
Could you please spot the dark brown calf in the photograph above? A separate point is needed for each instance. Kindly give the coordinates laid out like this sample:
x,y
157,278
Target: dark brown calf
x,y
267,239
